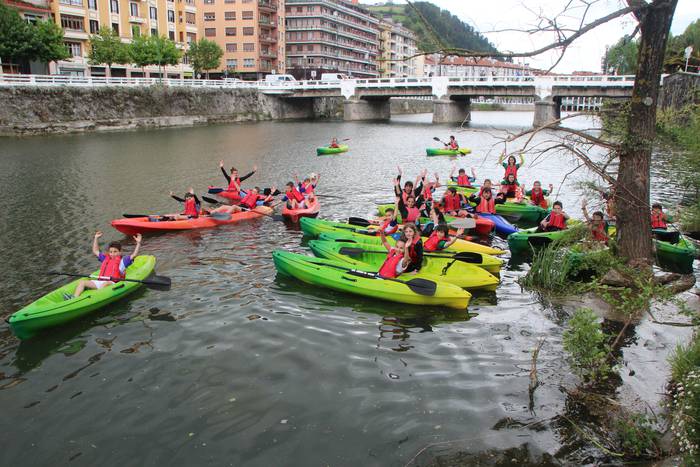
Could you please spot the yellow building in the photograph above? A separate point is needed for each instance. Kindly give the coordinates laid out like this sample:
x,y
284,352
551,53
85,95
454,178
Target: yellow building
x,y
81,18
397,51
250,32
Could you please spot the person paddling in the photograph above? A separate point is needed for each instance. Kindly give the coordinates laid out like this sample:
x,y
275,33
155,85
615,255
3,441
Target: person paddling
x,y
511,166
440,238
537,195
597,226
462,179
397,258
192,205
452,144
334,143
556,220
112,269
234,182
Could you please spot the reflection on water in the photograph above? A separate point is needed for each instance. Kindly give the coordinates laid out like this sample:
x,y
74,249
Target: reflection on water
x,y
237,365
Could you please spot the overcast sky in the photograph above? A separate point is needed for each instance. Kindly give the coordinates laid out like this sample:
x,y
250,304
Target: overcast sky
x,y
584,54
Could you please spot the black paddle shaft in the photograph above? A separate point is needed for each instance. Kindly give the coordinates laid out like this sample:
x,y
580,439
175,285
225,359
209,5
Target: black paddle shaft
x,y
154,282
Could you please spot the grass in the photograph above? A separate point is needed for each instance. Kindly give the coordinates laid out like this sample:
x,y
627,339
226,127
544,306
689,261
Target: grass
x,y
684,404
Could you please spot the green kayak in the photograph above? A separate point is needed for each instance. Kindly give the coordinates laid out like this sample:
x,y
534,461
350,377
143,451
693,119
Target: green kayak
x,y
445,268
676,256
487,262
322,151
466,190
521,213
52,310
342,276
447,152
522,240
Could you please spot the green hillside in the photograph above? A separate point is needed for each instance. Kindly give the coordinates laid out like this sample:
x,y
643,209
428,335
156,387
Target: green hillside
x,y
452,31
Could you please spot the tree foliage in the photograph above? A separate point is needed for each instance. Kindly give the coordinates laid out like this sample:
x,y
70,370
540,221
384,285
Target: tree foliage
x,y
676,47
205,55
20,40
622,57
106,47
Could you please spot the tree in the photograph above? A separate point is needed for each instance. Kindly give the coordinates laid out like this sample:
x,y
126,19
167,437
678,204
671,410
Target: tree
x,y
154,50
622,57
106,47
16,36
141,52
205,55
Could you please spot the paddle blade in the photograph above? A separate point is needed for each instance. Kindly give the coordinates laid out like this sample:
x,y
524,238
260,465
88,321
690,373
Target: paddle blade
x,y
469,257
350,251
211,200
133,216
463,223
214,191
539,241
158,283
359,221
422,286
435,138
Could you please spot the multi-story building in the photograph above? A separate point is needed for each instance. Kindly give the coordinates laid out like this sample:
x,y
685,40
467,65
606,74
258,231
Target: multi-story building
x,y
81,18
482,68
325,36
32,11
250,32
397,50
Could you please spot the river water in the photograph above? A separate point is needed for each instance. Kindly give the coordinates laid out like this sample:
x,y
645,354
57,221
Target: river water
x,y
251,369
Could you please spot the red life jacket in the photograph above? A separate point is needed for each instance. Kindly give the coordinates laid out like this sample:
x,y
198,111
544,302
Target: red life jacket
x,y
463,180
537,198
509,188
110,268
388,228
453,145
412,250
191,208
308,189
557,220
658,221
428,192
295,195
412,215
432,243
511,169
234,185
250,200
487,206
452,202
599,233
388,269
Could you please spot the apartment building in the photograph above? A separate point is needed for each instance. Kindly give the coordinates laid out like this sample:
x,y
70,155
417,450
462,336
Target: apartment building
x,y
397,51
250,32
175,19
331,36
437,65
32,11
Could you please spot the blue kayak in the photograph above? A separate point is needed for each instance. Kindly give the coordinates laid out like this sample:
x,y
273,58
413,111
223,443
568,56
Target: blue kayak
x,y
502,225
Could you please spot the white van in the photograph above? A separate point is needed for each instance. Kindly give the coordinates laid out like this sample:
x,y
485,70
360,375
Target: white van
x,y
280,79
333,77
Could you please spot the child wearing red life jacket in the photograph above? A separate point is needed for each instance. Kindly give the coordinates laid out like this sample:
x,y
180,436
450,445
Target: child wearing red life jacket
x,y
192,208
537,195
556,220
486,203
511,167
234,182
429,187
334,143
486,186
452,202
658,217
387,224
408,210
440,238
414,247
410,188
462,179
597,226
249,202
452,144
113,266
510,186
308,185
397,258
294,199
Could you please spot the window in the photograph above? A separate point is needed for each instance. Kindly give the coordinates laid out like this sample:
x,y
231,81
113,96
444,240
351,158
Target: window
x,y
231,63
114,6
133,9
92,4
300,48
210,32
74,48
94,26
229,15
210,16
248,31
249,47
154,32
72,2
248,62
247,1
76,23
208,2
135,30
247,15
231,47
191,37
171,35
229,1
190,18
310,48
115,28
230,31
153,12
171,16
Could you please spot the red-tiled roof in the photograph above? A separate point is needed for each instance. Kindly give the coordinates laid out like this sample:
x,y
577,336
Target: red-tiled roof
x,y
26,6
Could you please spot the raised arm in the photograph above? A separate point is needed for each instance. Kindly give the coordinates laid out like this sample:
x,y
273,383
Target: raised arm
x,y
473,174
585,210
501,157
522,159
249,174
437,181
458,234
223,171
452,170
96,244
382,236
176,198
135,253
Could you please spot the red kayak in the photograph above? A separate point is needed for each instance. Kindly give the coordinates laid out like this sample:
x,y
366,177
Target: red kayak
x,y
144,225
234,196
310,211
484,226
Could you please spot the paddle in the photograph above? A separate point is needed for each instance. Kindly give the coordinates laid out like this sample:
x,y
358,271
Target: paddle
x,y
461,223
435,138
243,208
154,282
511,217
417,285
464,256
359,221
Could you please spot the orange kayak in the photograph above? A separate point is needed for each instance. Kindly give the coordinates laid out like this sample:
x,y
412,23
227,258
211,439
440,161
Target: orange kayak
x,y
310,211
151,224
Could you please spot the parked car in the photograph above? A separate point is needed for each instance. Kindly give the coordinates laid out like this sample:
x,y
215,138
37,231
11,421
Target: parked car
x,y
333,77
279,79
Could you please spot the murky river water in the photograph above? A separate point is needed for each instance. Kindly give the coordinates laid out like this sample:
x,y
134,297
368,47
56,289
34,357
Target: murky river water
x,y
258,370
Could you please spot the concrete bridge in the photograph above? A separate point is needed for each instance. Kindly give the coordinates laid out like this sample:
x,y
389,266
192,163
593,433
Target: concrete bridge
x,y
368,99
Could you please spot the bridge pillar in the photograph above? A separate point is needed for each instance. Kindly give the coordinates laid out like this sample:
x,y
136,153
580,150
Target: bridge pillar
x,y
451,111
361,109
546,111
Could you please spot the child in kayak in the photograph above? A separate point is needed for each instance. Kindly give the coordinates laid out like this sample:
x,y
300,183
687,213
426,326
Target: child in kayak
x,y
511,188
452,202
486,203
414,246
658,217
556,220
396,260
308,185
234,182
462,179
294,199
334,143
486,186
537,195
409,188
511,167
440,238
597,226
387,224
192,205
429,188
408,210
113,265
248,203
452,144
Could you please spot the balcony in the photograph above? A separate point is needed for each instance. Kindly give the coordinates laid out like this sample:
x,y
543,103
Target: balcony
x,y
268,54
136,19
267,6
266,22
267,39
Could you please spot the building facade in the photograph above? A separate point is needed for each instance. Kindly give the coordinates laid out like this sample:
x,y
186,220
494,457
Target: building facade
x,y
482,68
326,36
32,11
250,32
397,51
